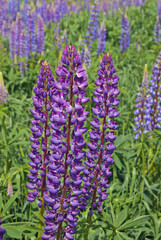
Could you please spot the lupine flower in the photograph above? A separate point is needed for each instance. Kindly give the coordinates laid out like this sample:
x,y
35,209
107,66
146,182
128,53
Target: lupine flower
x,y
3,91
102,135
159,10
4,29
155,93
143,113
87,59
40,35
31,36
2,231
12,41
93,26
125,34
157,31
64,176
1,19
102,39
40,132
23,52
18,29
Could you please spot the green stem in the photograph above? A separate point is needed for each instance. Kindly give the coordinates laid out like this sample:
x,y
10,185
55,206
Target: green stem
x,y
89,219
143,167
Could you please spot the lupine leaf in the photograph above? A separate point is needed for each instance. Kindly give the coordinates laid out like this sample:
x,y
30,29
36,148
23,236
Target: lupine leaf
x,y
131,224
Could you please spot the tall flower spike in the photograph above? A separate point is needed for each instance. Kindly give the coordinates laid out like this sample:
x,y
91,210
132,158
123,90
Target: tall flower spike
x,y
40,35
12,41
3,91
142,113
31,36
155,93
40,132
87,59
159,10
101,146
102,39
157,31
18,30
64,176
23,52
125,34
93,26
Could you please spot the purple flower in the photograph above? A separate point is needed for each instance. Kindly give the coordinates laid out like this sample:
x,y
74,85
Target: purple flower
x,y
12,41
18,29
64,177
31,36
87,59
157,31
102,39
4,29
125,34
102,135
143,111
3,91
40,132
155,93
159,10
93,26
2,231
23,52
40,35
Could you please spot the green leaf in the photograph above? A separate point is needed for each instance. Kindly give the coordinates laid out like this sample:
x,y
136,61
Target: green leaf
x,y
30,228
13,232
124,236
39,217
121,217
108,219
10,202
131,224
117,161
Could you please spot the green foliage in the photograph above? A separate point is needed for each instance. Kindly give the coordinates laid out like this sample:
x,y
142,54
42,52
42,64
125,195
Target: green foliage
x,y
133,208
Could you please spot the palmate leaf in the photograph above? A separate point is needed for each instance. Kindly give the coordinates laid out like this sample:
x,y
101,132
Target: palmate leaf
x,y
124,236
108,219
132,224
120,218
14,232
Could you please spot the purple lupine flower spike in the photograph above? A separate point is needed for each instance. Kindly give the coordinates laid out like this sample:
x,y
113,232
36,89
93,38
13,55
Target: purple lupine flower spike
x,y
40,132
2,231
87,59
18,29
64,176
3,91
157,31
143,112
102,39
31,36
12,41
155,92
159,10
23,52
102,135
93,26
40,35
4,29
125,34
